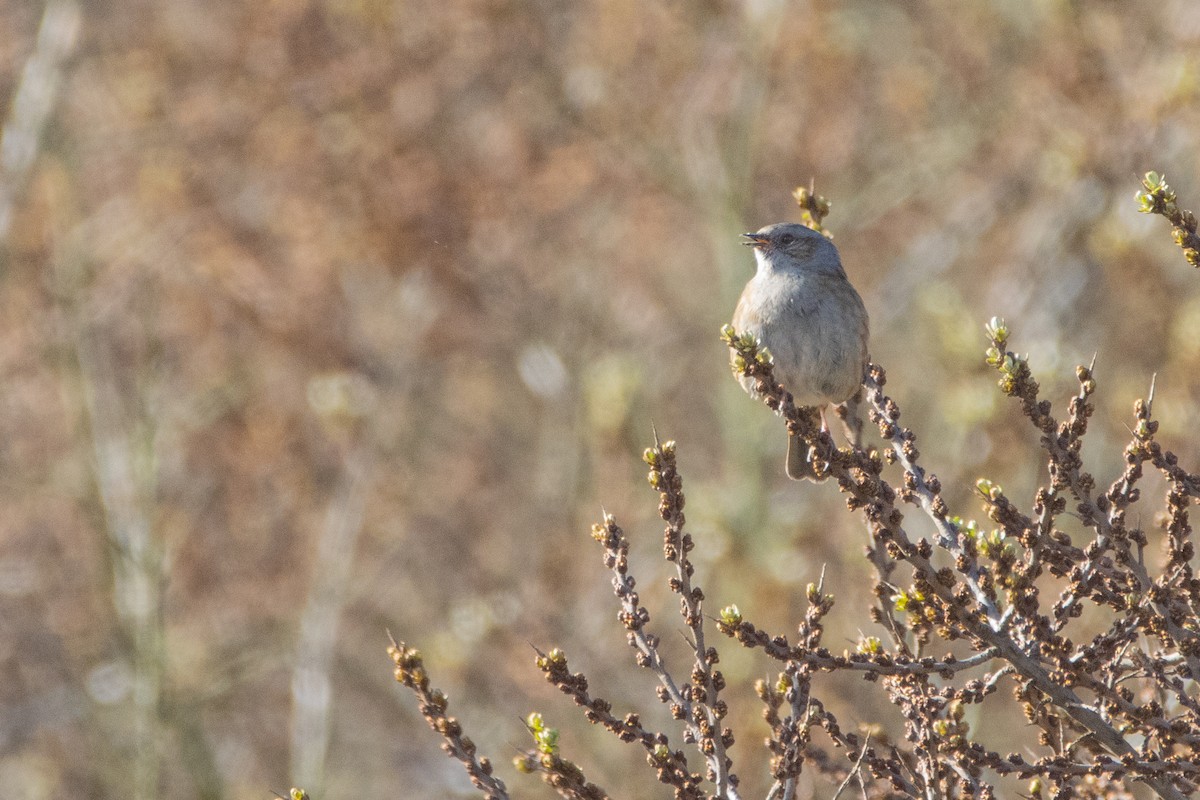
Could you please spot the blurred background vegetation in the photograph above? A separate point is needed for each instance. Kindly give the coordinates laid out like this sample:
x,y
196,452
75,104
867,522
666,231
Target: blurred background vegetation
x,y
321,318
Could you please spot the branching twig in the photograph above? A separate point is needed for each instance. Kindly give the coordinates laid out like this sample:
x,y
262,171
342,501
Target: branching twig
x,y
410,671
1156,197
1113,707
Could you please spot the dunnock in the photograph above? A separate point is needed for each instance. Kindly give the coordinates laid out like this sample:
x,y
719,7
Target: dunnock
x,y
803,309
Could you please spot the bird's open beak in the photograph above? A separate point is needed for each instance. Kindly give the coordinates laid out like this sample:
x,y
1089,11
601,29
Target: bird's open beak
x,y
755,240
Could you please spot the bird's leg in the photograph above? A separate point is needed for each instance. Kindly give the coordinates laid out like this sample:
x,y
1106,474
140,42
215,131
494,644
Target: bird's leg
x,y
852,423
818,450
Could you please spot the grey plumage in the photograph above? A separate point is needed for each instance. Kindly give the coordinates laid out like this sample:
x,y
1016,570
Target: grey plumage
x,y
802,307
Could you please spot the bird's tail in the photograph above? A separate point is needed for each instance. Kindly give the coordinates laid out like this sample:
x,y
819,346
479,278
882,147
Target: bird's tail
x,y
799,461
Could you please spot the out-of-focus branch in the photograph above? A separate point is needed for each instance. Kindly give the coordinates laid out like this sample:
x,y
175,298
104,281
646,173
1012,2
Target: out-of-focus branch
x,y
312,687
126,478
37,93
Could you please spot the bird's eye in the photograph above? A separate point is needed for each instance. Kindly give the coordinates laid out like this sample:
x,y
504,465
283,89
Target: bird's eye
x,y
786,239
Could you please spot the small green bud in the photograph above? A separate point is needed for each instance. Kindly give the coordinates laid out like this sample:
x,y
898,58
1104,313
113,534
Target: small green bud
x,y
547,740
869,645
731,615
997,329
999,539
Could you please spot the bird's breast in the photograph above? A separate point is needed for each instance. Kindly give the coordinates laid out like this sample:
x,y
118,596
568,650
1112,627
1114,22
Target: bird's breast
x,y
815,328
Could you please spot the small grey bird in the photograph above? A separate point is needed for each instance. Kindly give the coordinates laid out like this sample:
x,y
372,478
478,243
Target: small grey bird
x,y
802,307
